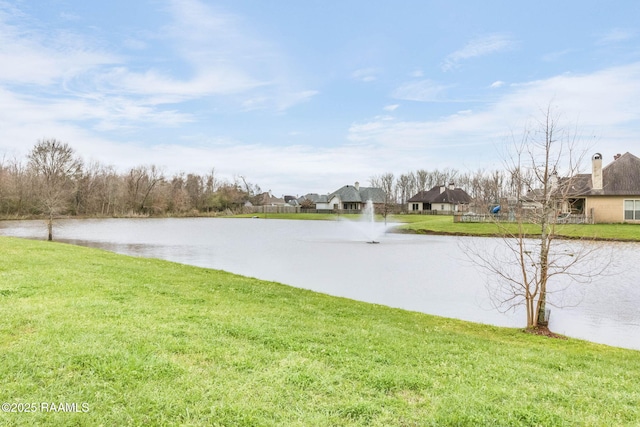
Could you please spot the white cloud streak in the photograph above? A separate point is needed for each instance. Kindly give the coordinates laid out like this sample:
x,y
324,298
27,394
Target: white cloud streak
x,y
478,47
365,74
617,35
422,90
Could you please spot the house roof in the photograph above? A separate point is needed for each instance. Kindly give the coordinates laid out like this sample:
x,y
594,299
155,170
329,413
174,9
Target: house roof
x,y
314,197
619,178
442,194
350,193
266,199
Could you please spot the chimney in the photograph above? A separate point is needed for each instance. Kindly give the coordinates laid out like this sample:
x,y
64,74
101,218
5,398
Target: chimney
x,y
357,185
596,174
442,188
452,186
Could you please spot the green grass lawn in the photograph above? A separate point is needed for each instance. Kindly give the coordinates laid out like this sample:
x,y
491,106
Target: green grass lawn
x,y
445,224
149,342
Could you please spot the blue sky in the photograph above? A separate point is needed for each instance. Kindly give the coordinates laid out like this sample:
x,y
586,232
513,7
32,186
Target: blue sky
x,y
306,96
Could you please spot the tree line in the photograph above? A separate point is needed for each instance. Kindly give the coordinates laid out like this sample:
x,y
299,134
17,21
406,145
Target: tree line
x,y
53,180
485,187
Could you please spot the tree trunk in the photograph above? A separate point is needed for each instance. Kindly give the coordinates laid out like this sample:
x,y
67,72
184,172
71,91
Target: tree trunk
x,y
530,304
544,273
50,227
542,318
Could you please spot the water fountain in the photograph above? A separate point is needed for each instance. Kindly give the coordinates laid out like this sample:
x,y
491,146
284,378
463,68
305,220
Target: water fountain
x,y
369,217
364,227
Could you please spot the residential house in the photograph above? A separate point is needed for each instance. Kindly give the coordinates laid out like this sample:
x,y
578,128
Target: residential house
x,y
268,199
353,197
440,198
291,201
609,194
312,200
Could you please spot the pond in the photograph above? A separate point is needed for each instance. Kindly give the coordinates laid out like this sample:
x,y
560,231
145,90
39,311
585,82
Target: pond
x,y
427,274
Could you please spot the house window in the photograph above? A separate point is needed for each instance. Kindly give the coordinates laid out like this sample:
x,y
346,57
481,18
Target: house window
x,y
415,207
632,209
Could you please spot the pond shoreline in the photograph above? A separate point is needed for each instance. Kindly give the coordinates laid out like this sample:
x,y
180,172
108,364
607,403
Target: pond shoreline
x,y
391,273
427,232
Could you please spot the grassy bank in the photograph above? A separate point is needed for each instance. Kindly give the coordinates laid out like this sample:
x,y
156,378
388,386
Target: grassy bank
x,y
443,224
148,342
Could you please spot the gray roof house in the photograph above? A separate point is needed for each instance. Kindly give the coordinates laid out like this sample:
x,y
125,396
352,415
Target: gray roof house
x,y
353,197
440,198
267,199
609,194
313,197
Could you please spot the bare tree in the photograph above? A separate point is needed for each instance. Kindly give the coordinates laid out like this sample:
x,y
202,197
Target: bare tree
x,y
140,183
85,198
422,180
486,188
386,182
178,198
4,179
195,188
54,164
18,196
405,187
212,185
531,257
109,185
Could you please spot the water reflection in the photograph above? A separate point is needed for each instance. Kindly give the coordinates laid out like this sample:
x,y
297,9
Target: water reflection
x,y
418,273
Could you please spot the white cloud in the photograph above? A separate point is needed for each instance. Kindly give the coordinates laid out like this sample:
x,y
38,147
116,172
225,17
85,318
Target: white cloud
x,y
497,84
227,57
617,35
392,107
478,47
69,16
554,56
32,57
365,74
212,56
135,43
603,103
168,89
422,90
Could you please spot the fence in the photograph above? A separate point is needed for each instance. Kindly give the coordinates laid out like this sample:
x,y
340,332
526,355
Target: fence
x,y
433,212
562,219
275,209
298,209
